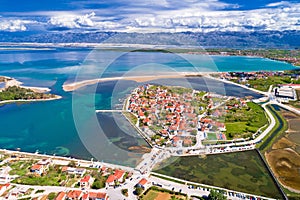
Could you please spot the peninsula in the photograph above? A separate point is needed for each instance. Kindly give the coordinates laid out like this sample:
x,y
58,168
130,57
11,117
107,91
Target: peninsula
x,y
13,91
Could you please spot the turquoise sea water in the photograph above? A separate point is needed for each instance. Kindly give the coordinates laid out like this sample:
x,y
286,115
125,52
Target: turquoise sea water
x,y
67,126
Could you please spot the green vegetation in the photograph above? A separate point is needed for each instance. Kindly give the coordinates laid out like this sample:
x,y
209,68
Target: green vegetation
x,y
243,122
16,93
211,136
296,104
291,195
51,196
52,178
20,168
242,171
291,56
99,181
215,195
125,192
138,191
279,128
180,90
131,117
263,84
160,193
39,191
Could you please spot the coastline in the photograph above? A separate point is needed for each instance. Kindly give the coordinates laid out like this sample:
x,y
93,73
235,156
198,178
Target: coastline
x,y
82,161
126,47
30,100
13,82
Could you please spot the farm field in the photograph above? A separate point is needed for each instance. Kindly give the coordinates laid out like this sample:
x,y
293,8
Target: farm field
x,y
243,171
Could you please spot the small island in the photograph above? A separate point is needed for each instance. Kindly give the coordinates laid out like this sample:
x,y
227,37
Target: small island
x,y
13,91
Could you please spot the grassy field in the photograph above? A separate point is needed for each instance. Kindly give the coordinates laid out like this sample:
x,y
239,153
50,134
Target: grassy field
x,y
20,168
155,193
211,136
243,171
264,84
245,121
53,177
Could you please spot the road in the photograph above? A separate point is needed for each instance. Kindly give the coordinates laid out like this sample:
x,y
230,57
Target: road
x,y
230,82
290,108
201,190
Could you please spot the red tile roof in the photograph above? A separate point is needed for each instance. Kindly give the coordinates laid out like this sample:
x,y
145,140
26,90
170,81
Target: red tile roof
x,y
143,181
85,179
110,179
36,167
64,168
85,196
175,139
4,186
74,194
60,196
119,173
99,195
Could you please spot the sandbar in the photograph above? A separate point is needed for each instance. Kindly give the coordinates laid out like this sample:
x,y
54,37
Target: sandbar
x,y
76,85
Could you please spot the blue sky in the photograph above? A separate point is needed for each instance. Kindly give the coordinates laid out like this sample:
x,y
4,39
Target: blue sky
x,y
149,16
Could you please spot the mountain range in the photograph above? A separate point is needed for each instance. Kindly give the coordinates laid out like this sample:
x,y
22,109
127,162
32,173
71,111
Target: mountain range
x,y
256,39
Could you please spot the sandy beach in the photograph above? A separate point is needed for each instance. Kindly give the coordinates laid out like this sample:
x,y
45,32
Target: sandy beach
x,y
13,82
76,85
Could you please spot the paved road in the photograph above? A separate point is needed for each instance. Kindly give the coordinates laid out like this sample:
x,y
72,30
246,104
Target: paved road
x,y
197,191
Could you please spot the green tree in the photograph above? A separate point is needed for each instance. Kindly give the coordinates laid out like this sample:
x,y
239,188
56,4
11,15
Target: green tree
x,y
138,191
125,192
97,185
52,196
215,195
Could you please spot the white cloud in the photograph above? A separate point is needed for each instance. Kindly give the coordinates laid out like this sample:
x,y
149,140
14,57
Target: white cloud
x,y
277,4
193,19
13,25
72,20
170,15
